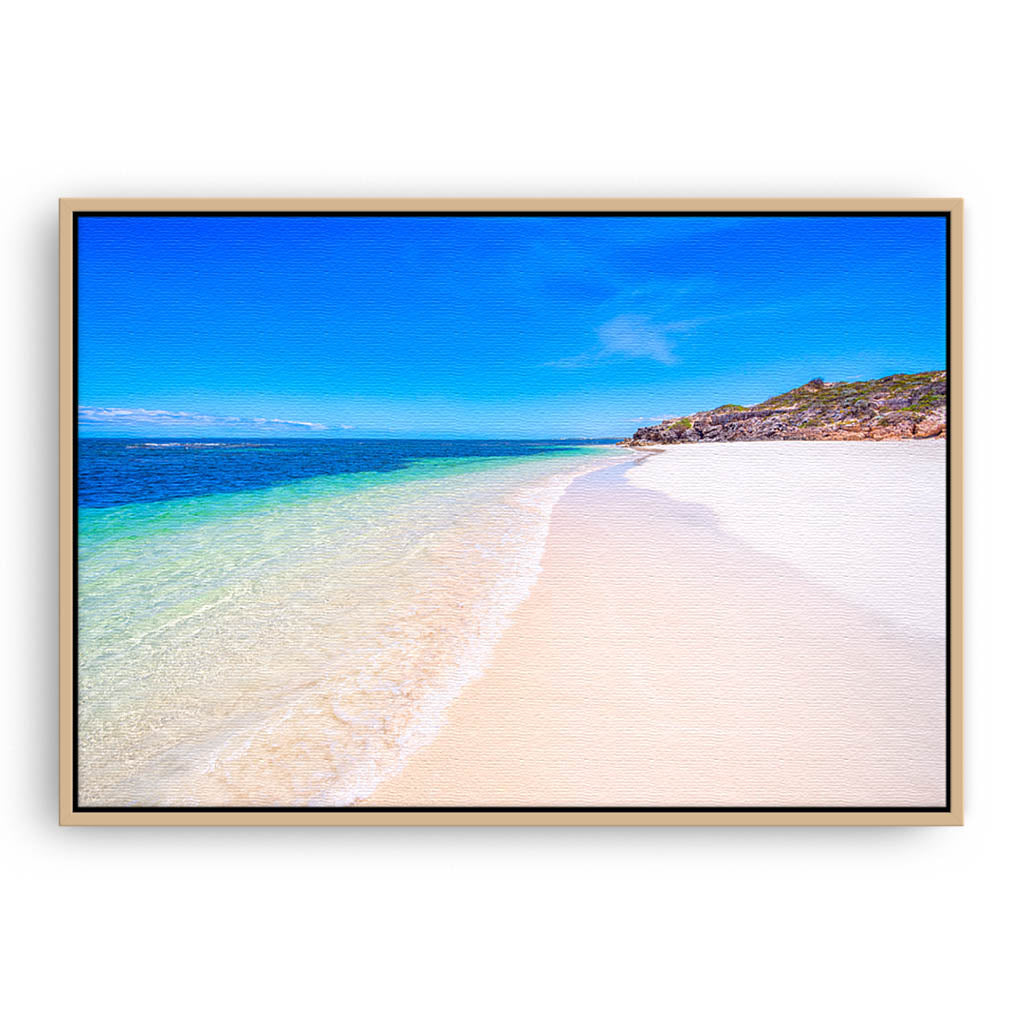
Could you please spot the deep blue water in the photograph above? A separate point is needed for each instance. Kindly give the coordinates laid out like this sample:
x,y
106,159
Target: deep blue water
x,y
116,471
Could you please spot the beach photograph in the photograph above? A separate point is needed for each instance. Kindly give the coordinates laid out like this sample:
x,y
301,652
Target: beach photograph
x,y
512,513
420,510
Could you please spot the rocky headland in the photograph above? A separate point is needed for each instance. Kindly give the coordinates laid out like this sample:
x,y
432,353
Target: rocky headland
x,y
905,405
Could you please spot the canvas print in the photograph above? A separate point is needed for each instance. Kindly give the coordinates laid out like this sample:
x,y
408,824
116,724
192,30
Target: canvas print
x,y
436,510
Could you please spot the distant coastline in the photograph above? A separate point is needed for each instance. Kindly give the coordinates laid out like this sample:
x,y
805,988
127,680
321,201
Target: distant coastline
x,y
899,407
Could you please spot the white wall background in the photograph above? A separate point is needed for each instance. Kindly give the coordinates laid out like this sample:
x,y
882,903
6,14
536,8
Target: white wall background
x,y
442,98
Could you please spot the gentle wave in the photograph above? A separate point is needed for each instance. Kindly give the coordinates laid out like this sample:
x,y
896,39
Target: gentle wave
x,y
195,444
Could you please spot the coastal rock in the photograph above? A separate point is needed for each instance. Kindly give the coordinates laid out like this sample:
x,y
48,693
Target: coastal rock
x,y
933,426
892,408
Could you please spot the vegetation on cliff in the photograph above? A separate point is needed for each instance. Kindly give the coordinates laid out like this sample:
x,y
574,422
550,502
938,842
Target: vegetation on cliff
x,y
904,405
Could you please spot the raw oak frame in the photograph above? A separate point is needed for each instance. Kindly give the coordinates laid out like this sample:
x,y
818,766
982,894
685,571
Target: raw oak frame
x,y
952,814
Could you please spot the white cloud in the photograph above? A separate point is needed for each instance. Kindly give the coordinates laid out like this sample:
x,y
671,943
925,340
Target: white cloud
x,y
291,423
163,417
632,336
640,338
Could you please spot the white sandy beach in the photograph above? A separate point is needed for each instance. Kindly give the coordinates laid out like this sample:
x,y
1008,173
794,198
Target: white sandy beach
x,y
739,624
866,519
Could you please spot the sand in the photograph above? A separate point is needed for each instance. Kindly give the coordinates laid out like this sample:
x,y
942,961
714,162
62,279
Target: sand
x,y
867,519
683,651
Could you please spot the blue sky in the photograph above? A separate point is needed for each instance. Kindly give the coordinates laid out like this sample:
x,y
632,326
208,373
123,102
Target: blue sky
x,y
497,327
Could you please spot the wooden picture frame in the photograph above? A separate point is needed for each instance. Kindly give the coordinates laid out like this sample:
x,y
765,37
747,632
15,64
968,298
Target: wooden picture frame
x,y
949,813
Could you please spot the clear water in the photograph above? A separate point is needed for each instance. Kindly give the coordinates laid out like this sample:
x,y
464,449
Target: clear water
x,y
284,623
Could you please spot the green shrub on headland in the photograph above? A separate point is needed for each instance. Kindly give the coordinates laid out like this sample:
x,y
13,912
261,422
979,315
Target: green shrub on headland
x,y
890,407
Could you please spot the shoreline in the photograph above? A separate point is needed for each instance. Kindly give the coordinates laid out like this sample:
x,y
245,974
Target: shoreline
x,y
332,630
661,660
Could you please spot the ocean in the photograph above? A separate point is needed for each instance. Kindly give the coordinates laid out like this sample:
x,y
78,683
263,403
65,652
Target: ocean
x,y
284,622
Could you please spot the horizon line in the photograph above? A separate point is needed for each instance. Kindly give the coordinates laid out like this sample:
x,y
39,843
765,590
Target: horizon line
x,y
292,437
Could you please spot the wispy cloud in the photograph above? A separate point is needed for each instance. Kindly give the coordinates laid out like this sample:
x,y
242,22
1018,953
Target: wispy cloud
x,y
164,417
640,337
291,423
632,336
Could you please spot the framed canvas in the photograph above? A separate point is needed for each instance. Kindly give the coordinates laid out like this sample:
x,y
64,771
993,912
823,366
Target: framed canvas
x,y
511,511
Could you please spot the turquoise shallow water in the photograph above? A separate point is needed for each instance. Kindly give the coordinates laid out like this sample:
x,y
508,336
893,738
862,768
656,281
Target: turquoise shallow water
x,y
292,644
